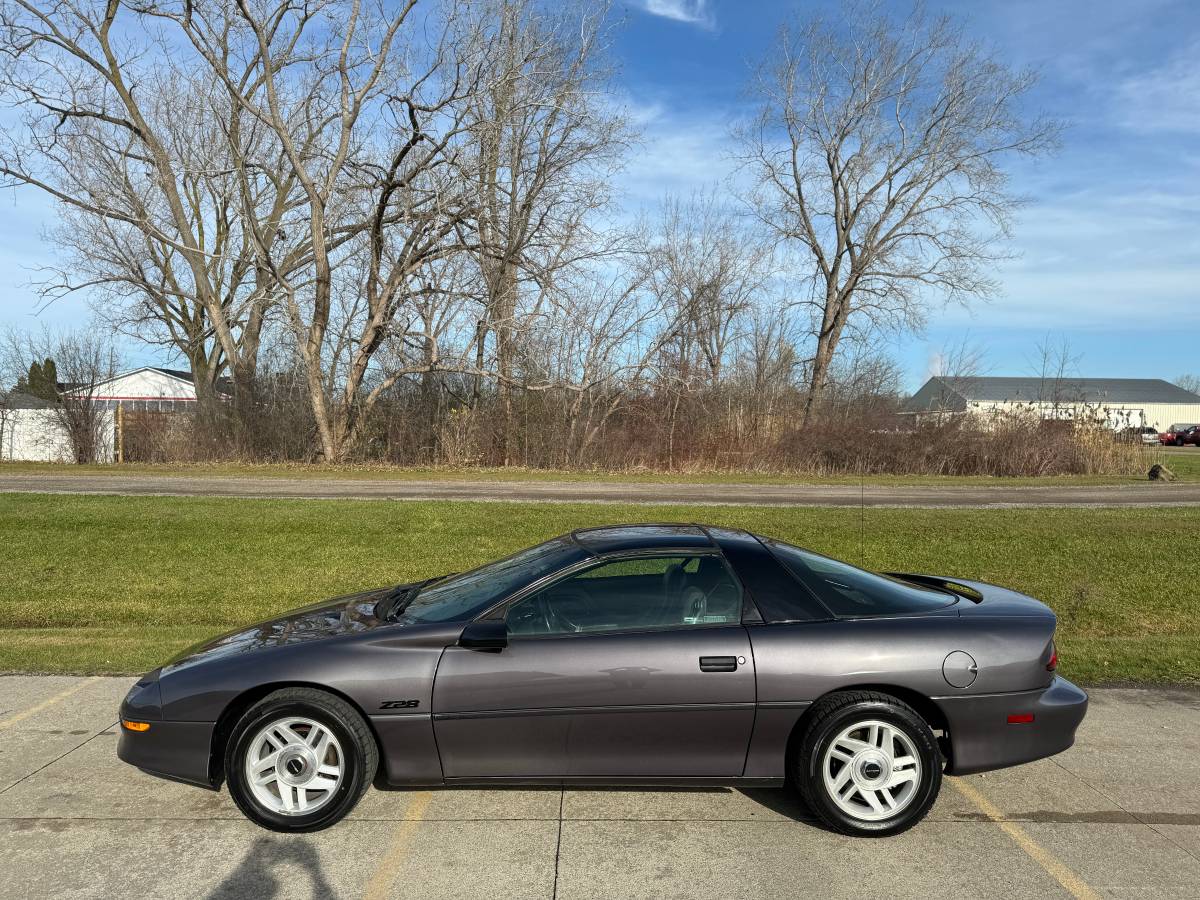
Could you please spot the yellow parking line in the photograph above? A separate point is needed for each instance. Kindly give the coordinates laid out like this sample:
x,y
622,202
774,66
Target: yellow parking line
x,y
33,710
380,884
1073,884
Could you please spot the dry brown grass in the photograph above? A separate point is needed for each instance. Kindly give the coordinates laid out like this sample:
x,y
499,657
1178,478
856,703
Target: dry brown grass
x,y
866,441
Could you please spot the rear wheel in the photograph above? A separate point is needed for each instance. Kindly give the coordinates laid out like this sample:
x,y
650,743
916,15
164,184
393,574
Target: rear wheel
x,y
868,764
299,760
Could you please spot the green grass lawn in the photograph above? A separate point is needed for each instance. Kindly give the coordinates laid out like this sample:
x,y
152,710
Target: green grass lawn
x,y
116,584
1185,464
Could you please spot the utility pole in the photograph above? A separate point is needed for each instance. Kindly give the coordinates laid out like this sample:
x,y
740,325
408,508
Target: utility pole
x,y
120,431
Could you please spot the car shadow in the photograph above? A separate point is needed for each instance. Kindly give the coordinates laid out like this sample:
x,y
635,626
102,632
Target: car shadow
x,y
784,801
276,867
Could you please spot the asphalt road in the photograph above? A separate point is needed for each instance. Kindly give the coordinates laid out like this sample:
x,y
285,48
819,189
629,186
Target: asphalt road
x,y
985,496
1117,815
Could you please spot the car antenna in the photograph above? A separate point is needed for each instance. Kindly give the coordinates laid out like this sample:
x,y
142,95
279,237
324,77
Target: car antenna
x,y
862,519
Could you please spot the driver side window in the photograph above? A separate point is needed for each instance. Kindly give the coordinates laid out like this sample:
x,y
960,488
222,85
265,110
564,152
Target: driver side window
x,y
633,594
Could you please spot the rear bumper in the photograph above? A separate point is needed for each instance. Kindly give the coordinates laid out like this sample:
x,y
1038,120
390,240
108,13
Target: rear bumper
x,y
981,737
175,750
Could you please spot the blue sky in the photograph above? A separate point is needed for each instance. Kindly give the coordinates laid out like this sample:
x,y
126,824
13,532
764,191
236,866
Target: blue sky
x,y
1109,251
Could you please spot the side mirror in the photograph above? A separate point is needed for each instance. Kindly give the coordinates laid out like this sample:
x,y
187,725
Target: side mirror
x,y
489,634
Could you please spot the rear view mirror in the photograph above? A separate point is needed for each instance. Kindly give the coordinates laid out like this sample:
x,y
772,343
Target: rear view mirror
x,y
489,634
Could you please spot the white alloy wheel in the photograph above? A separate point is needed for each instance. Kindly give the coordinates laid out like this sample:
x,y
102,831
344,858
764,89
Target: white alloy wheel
x,y
871,770
293,766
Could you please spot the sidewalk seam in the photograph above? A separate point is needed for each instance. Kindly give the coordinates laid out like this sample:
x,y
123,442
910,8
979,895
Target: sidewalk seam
x,y
1127,812
562,794
87,740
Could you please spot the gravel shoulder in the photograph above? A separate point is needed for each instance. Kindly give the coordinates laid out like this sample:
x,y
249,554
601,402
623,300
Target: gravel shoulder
x,y
833,495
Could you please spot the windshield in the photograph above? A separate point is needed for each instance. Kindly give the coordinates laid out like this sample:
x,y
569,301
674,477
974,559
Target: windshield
x,y
461,597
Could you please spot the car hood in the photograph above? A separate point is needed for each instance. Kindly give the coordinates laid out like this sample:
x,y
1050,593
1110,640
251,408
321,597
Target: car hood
x,y
349,614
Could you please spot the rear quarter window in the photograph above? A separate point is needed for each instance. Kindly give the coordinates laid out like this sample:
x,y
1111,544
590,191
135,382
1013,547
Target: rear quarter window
x,y
851,592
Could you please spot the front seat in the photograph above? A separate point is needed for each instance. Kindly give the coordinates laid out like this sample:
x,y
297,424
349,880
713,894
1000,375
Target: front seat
x,y
675,581
707,592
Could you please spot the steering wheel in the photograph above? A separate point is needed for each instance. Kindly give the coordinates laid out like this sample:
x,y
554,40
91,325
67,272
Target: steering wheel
x,y
530,616
567,609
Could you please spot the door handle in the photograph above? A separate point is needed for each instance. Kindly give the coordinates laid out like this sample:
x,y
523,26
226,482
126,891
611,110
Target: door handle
x,y
718,664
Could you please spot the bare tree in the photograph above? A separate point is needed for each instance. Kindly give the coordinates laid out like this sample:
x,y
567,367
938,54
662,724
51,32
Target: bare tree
x,y
877,158
150,161
959,359
1189,383
864,382
219,161
367,117
955,363
1056,366
84,359
710,271
769,360
546,141
8,412
602,338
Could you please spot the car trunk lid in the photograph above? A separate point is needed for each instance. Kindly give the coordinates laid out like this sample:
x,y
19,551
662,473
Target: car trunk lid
x,y
982,598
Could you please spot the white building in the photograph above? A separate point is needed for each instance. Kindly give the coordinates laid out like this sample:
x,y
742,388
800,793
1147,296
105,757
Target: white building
x,y
1122,402
148,389
30,428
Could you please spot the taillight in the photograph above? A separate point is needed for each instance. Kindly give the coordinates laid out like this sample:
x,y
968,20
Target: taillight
x,y
1053,664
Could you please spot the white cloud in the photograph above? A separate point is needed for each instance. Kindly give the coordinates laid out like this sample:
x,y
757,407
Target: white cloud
x,y
1115,256
1163,99
680,151
693,12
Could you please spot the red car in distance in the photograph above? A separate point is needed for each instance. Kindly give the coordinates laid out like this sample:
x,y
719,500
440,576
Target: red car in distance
x,y
1180,434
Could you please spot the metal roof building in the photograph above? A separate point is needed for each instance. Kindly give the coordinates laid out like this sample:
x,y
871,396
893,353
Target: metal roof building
x,y
150,389
1123,402
31,429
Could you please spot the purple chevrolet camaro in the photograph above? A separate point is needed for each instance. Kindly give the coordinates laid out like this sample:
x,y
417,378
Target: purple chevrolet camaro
x,y
622,655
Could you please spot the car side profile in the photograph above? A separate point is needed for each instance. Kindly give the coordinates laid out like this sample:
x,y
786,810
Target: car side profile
x,y
1176,434
621,655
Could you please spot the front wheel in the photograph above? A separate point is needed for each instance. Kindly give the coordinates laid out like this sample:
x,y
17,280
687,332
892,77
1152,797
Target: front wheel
x,y
300,760
868,764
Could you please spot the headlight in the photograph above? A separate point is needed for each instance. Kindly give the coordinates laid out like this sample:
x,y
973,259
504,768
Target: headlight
x,y
144,700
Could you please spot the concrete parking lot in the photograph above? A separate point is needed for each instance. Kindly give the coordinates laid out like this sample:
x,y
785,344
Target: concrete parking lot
x,y
1118,815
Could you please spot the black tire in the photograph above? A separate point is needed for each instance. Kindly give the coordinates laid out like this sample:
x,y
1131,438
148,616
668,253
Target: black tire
x,y
835,713
360,756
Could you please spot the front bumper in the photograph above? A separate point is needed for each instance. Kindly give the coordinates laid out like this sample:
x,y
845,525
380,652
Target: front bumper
x,y
175,750
179,751
982,739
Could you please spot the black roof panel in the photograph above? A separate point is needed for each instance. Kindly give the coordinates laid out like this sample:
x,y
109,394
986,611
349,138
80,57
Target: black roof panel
x,y
614,538
14,400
